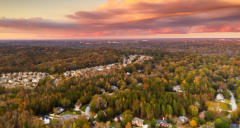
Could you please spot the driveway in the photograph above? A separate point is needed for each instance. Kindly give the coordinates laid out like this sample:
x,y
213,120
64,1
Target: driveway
x,y
87,111
233,102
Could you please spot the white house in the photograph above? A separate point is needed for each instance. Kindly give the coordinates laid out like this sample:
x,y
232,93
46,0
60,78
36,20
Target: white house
x,y
219,97
113,87
46,119
177,88
35,80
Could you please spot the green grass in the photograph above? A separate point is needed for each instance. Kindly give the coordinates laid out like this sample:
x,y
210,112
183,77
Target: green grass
x,y
83,108
69,112
227,101
112,124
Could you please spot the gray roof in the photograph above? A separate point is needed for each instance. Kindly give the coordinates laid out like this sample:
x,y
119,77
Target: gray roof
x,y
138,119
59,108
234,125
182,118
46,117
161,122
119,116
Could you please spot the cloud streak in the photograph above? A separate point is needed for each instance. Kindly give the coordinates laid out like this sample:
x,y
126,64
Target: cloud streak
x,y
138,17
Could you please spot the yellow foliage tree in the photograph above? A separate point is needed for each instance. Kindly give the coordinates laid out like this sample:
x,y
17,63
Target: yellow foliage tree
x,y
86,126
128,125
193,123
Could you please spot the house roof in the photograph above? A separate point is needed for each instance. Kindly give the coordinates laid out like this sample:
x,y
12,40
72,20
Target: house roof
x,y
182,118
161,122
219,96
46,117
138,119
60,108
118,117
234,125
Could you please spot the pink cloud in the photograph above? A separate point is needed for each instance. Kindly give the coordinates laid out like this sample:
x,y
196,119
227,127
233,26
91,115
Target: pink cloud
x,y
137,17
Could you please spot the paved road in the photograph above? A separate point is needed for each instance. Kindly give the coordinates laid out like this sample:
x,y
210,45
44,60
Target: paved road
x,y
87,111
233,102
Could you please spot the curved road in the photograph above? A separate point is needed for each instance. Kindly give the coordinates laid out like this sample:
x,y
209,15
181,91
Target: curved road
x,y
233,102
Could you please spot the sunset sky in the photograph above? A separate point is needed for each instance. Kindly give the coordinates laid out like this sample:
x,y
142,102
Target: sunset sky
x,y
110,19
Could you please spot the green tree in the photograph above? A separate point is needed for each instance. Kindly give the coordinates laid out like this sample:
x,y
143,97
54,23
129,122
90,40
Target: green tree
x,y
209,115
224,125
218,123
169,109
65,102
127,117
101,116
153,123
193,110
110,113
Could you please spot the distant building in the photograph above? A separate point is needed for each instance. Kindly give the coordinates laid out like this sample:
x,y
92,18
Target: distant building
x,y
202,114
113,87
177,88
102,90
35,80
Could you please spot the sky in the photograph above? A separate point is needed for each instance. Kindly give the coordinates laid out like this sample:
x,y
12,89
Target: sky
x,y
119,19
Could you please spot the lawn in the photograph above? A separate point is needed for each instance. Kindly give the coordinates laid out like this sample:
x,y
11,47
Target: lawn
x,y
69,112
112,124
227,101
83,108
213,105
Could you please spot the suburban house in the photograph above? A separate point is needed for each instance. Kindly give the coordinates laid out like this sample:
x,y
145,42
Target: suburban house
x,y
45,119
118,118
219,97
35,80
202,114
234,125
102,90
183,119
145,126
109,67
137,122
162,123
113,87
177,88
59,110
100,68
77,106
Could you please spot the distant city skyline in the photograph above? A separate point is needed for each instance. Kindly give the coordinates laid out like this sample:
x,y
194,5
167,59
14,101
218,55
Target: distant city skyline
x,y
119,19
